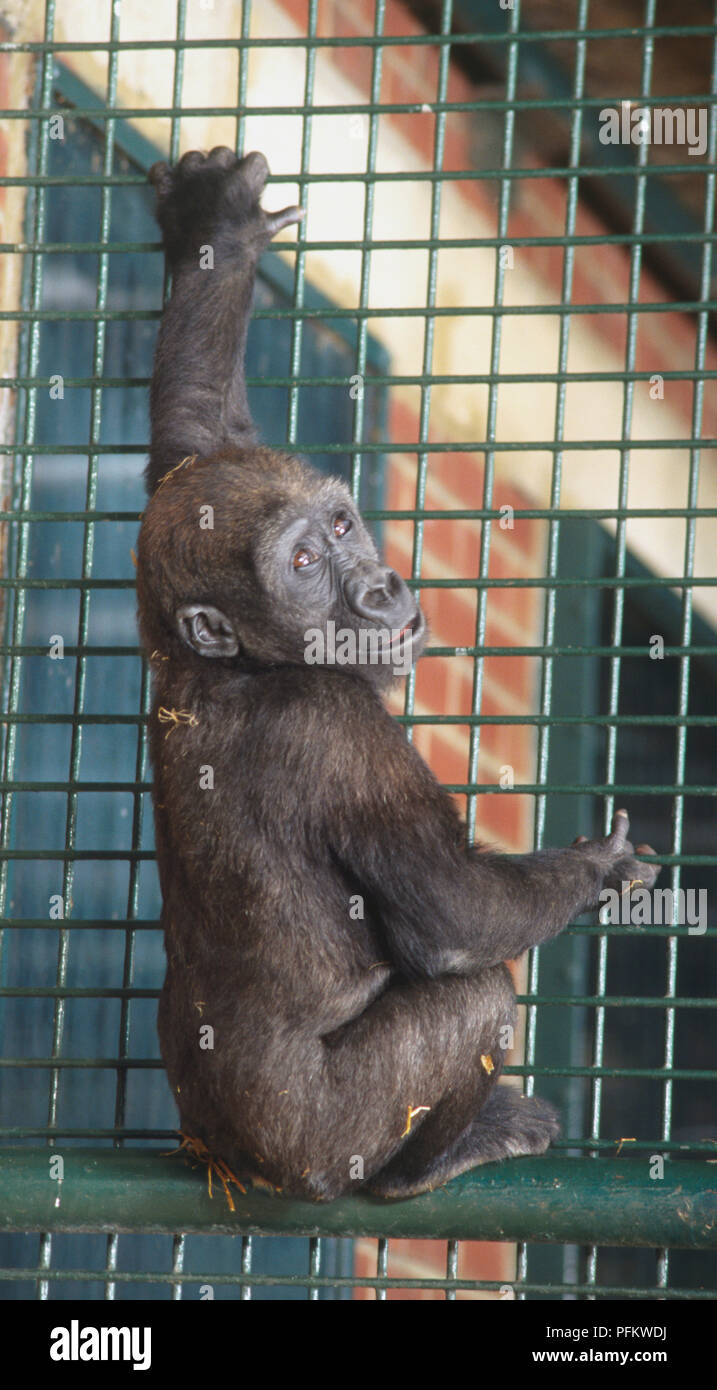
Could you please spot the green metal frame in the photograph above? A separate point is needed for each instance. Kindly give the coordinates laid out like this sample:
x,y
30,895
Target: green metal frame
x,y
587,1201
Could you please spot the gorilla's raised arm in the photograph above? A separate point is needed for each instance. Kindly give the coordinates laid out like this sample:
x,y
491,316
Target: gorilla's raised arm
x,y
214,232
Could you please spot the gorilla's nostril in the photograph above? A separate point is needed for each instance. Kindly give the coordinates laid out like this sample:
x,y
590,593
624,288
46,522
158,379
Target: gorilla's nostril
x,y
389,588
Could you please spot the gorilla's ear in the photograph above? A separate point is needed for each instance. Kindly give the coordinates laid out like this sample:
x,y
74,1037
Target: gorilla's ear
x,y
207,631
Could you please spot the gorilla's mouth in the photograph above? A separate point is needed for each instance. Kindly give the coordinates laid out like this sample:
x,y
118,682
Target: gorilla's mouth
x,y
410,631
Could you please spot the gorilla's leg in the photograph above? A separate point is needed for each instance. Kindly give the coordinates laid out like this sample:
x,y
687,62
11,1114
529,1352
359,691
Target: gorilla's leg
x,y
409,1087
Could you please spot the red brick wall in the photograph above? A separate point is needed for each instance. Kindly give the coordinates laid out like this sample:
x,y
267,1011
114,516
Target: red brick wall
x,y
444,685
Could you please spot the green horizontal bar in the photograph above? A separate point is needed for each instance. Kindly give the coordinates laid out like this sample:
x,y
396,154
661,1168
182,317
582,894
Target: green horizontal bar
x,y
109,856
365,446
592,788
168,1137
349,1281
141,924
94,517
488,513
271,1281
9,649
47,717
485,788
81,924
599,581
594,929
385,311
483,175
81,1063
376,379
80,582
605,1001
73,992
598,929
77,787
660,1074
538,721
478,720
652,581
549,720
440,1283
43,248
368,41
600,1201
377,108
562,651
564,1001
415,514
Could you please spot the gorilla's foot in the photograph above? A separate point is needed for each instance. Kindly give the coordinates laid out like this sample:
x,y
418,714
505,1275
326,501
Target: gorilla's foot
x,y
508,1126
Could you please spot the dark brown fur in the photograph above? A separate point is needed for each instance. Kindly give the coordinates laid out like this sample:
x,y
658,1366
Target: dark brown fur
x,y
342,1046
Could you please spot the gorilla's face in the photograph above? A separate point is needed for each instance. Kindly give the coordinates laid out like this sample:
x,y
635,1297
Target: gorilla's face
x,y
286,573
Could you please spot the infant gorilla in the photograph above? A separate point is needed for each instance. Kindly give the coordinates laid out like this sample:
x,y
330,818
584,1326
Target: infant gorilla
x,y
336,1007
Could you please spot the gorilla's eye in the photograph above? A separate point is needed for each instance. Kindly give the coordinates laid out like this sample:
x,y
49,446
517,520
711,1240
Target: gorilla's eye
x,y
342,524
303,558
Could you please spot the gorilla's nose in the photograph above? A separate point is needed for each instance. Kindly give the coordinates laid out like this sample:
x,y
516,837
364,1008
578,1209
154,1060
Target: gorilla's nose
x,y
379,594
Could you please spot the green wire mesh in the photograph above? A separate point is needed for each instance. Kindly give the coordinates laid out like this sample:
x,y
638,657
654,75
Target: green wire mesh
x,y
143,1254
